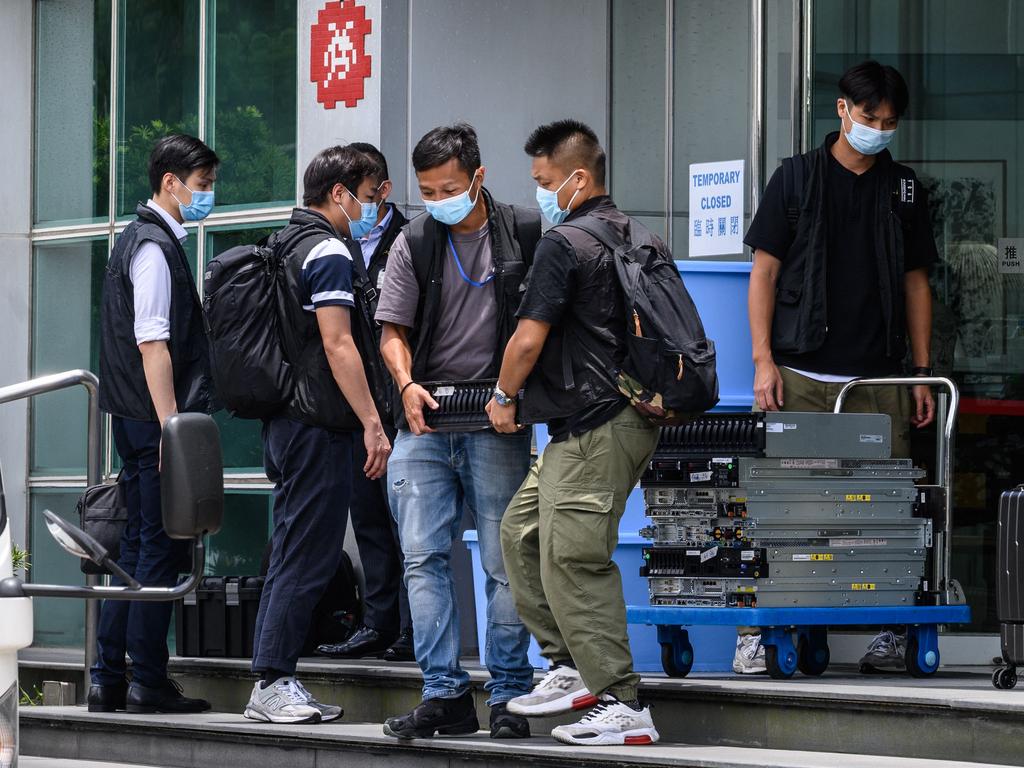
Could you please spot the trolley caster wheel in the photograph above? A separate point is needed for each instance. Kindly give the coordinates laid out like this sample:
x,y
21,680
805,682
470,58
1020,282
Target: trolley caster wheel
x,y
781,666
921,662
812,658
677,658
1004,678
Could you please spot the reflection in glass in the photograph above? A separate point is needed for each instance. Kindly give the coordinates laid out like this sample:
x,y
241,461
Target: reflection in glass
x,y
67,287
158,76
253,93
58,622
238,549
72,120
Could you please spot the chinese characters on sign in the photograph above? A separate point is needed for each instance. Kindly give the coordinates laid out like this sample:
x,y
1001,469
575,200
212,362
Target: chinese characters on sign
x,y
339,64
1011,255
716,208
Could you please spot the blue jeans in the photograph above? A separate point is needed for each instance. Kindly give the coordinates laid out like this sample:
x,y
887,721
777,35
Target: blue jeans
x,y
148,554
433,478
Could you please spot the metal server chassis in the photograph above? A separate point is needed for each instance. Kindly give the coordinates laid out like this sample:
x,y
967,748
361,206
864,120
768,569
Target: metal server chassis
x,y
810,652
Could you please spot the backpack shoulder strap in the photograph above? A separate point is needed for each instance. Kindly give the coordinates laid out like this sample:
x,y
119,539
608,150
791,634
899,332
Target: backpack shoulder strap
x,y
597,229
421,247
793,188
527,227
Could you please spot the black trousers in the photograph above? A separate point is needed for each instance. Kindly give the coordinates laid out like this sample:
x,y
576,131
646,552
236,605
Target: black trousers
x,y
311,470
376,532
148,554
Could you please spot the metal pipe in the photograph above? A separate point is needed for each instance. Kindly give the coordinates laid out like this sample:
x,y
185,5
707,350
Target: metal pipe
x,y
757,38
145,594
796,80
808,76
670,121
94,470
943,470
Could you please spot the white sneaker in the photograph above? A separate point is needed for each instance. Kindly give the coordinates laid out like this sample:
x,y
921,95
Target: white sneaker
x,y
610,723
283,701
328,712
886,653
749,658
562,690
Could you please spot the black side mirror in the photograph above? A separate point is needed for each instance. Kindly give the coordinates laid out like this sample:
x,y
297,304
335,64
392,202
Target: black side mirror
x,y
77,542
191,476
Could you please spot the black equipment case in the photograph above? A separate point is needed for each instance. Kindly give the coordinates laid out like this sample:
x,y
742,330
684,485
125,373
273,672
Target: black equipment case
x,y
219,618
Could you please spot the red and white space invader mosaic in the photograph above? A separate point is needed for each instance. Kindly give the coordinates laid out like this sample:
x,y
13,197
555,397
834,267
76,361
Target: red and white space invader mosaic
x,y
339,64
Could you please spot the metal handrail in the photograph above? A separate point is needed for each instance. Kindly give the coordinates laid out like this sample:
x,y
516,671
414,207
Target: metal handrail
x,y
93,473
944,465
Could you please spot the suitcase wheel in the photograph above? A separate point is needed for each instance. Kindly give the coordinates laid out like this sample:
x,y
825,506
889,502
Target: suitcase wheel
x,y
676,651
1004,678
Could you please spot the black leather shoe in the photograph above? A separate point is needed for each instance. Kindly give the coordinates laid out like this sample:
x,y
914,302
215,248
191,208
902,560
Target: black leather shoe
x,y
505,725
363,642
167,699
448,717
107,698
401,649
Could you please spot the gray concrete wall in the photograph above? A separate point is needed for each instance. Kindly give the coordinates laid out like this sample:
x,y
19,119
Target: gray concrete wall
x,y
15,252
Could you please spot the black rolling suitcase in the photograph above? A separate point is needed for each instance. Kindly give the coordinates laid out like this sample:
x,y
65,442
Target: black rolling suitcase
x,y
1010,586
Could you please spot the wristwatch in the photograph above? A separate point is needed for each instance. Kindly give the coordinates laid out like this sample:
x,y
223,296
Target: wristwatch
x,y
501,398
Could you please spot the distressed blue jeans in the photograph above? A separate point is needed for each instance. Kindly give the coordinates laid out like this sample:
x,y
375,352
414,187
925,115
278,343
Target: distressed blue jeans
x,y
433,479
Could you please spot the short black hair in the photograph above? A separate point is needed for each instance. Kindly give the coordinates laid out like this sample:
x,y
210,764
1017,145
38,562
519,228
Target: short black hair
x,y
180,154
869,83
335,165
376,156
569,142
441,144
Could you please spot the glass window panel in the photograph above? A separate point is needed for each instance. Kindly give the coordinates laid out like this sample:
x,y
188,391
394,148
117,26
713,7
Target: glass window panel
x,y
961,135
240,438
72,121
711,113
158,74
253,100
237,550
58,622
67,286
637,151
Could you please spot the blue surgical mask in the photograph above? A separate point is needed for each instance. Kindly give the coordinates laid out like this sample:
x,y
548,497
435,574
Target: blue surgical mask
x,y
361,227
452,210
198,208
864,138
547,199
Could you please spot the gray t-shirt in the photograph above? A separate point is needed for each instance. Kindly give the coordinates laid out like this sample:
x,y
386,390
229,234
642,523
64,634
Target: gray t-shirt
x,y
467,326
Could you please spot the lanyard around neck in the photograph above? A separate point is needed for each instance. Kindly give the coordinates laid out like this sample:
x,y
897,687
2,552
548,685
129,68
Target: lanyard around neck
x,y
458,263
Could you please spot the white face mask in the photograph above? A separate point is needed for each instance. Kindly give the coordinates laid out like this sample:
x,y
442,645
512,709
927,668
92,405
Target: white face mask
x,y
864,138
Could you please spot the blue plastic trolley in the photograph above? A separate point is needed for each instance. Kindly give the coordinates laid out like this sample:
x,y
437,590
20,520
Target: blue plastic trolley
x,y
796,638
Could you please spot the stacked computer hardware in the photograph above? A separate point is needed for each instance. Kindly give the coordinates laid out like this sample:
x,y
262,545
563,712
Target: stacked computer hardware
x,y
784,510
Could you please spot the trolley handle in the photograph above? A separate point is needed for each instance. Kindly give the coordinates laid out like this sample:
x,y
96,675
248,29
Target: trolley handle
x,y
948,588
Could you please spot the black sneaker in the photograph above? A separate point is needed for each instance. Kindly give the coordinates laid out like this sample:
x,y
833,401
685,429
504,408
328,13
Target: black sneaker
x,y
447,717
505,725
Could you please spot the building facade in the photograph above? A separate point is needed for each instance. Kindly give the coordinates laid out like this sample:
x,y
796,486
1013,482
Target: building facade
x,y
90,84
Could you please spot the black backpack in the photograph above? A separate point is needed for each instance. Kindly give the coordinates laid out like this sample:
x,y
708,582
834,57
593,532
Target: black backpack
x,y
242,306
669,370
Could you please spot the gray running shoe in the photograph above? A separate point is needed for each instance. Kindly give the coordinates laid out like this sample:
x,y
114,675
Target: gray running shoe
x,y
749,658
328,712
886,653
562,690
283,701
610,723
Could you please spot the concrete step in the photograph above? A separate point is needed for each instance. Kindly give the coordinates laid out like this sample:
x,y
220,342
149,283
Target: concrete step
x,y
954,715
226,740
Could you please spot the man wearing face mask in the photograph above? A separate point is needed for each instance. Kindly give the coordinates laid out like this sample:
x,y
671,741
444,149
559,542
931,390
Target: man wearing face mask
x,y
842,247
451,289
153,364
387,626
561,528
308,448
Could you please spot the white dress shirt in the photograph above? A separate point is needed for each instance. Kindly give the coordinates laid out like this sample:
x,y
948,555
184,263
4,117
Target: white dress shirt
x,y
151,284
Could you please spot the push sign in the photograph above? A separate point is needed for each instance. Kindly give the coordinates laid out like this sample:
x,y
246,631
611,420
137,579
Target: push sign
x,y
716,208
1011,255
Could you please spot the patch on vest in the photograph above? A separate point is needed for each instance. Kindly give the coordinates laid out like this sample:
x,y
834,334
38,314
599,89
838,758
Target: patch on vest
x,y
906,190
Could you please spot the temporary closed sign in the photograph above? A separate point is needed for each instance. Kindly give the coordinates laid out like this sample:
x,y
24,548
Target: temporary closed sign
x,y
716,208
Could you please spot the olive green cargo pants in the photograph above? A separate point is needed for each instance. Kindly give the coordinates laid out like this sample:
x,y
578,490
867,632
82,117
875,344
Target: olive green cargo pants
x,y
558,535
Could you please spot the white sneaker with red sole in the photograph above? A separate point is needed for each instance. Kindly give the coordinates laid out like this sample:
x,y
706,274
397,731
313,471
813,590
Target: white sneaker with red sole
x,y
562,690
610,723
